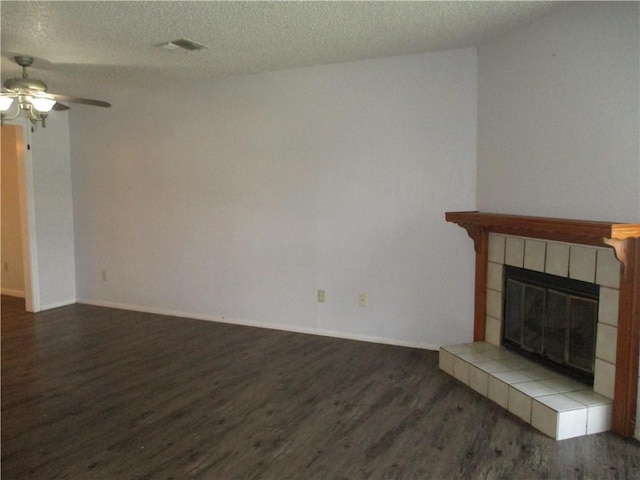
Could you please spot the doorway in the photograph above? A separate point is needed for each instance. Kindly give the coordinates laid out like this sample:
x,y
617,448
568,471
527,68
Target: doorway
x,y
16,258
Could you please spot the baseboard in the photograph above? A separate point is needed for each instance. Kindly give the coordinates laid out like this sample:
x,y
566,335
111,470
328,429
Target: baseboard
x,y
248,323
63,303
12,293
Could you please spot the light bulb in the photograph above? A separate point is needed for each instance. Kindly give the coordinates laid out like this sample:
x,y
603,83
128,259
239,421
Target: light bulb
x,y
5,103
42,104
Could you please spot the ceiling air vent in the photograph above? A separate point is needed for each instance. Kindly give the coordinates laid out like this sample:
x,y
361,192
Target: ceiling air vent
x,y
182,43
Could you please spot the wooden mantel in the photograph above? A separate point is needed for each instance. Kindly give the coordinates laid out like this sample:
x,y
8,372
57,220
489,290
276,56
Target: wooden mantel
x,y
623,238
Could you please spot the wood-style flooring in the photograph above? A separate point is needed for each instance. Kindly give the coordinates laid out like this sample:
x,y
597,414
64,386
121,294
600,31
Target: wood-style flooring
x,y
98,393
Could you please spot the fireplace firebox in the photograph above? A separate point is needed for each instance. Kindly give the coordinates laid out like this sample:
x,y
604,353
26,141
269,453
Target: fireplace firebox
x,y
552,320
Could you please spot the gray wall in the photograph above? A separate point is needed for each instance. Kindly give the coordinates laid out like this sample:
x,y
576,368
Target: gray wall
x,y
558,116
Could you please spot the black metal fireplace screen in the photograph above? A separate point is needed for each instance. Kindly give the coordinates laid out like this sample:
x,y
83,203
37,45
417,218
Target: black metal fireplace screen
x,y
552,320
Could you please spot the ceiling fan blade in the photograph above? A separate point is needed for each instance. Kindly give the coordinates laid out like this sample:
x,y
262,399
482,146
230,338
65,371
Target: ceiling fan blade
x,y
59,107
85,101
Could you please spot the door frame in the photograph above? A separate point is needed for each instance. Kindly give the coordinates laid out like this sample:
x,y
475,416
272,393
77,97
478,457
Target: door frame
x,y
26,200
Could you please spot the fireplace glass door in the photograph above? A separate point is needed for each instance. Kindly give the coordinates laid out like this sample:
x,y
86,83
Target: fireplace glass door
x,y
552,319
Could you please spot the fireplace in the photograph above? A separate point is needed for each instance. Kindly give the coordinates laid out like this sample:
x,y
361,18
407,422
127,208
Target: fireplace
x,y
605,255
552,320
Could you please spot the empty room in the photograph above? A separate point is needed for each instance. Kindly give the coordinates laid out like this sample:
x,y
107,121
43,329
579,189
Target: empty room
x,y
320,240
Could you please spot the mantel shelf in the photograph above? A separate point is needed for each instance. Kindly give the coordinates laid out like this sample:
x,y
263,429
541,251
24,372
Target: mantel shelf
x,y
574,231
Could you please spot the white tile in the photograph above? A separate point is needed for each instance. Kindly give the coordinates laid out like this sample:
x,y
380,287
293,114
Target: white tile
x,y
493,366
563,384
569,416
589,398
493,331
535,252
494,276
606,342
607,268
557,262
572,424
604,378
514,252
479,380
498,392
458,349
582,263
494,304
534,389
502,354
599,419
608,306
560,402
544,419
520,404
496,248
474,357
518,363
461,370
511,376
446,361
483,347
538,373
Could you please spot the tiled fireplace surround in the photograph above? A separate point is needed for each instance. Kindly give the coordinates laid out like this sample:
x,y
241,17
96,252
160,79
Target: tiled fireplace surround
x,y
588,251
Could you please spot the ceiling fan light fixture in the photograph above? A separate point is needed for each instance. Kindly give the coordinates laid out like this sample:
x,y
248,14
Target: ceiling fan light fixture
x,y
31,98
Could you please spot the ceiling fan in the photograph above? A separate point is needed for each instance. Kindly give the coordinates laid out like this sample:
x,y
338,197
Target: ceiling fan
x,y
29,96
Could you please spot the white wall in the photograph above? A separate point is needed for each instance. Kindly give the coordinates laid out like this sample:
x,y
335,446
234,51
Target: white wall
x,y
50,161
240,197
558,116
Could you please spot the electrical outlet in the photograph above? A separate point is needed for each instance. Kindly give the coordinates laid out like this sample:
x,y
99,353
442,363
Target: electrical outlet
x,y
321,296
104,275
362,299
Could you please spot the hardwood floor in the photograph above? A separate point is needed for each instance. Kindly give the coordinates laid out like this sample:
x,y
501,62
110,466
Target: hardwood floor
x,y
97,393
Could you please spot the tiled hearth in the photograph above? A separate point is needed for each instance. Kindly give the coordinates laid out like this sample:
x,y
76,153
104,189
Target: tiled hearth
x,y
554,404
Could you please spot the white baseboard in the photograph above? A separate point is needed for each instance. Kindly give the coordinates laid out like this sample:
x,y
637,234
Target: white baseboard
x,y
248,323
12,293
63,303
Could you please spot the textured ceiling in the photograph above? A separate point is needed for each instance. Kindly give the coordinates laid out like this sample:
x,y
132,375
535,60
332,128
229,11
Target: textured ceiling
x,y
92,48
